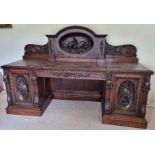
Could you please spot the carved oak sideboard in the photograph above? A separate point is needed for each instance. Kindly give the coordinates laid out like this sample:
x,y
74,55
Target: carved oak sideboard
x,y
77,64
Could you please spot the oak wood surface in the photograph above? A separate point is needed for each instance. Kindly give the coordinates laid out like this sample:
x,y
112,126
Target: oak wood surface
x,y
85,66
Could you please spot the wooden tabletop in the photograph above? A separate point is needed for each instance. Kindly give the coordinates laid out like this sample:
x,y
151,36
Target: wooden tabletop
x,y
119,67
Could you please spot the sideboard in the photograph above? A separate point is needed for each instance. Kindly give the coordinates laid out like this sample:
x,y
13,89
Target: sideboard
x,y
77,64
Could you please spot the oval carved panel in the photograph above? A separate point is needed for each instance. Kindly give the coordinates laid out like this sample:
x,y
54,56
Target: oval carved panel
x,y
22,88
76,43
126,94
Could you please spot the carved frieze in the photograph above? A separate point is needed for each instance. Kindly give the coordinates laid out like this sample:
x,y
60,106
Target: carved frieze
x,y
76,43
126,94
22,88
72,75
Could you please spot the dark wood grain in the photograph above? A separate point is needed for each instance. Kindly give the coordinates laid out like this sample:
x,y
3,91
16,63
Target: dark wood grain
x,y
77,64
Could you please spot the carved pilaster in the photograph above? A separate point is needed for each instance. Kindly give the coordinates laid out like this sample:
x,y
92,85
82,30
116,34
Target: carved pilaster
x,y
109,80
109,107
51,47
9,87
146,89
35,89
22,88
102,47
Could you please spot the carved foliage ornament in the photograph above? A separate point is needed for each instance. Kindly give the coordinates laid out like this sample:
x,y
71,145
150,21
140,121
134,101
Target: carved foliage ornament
x,y
36,49
124,50
76,43
126,94
22,88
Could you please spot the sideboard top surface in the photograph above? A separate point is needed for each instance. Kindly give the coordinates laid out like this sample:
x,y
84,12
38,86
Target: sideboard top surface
x,y
82,66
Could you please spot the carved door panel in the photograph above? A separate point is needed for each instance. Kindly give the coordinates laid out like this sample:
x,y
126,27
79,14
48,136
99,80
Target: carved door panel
x,y
22,88
127,95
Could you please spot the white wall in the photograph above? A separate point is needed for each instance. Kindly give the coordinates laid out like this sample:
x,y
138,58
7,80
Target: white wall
x,y
12,42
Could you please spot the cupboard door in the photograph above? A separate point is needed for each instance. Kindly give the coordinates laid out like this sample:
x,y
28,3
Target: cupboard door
x,y
22,88
127,95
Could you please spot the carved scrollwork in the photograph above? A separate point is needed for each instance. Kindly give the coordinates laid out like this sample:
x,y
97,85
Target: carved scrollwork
x,y
124,50
126,94
76,43
36,49
22,88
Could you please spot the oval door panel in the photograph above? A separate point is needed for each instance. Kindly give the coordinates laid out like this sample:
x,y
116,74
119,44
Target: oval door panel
x,y
126,94
22,88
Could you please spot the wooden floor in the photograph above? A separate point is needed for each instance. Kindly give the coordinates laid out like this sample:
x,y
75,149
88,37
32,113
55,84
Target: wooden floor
x,y
64,115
